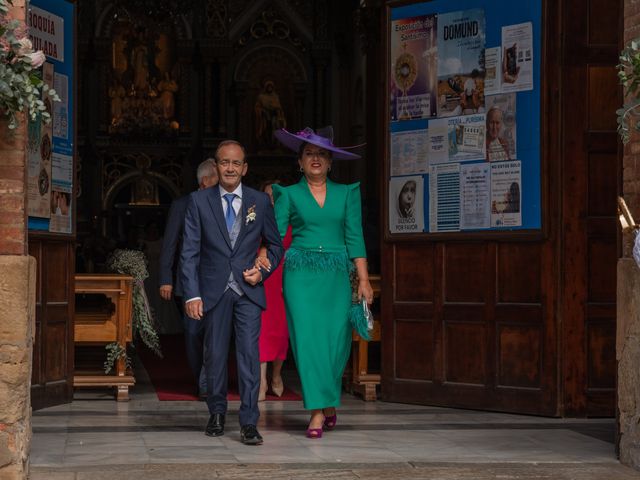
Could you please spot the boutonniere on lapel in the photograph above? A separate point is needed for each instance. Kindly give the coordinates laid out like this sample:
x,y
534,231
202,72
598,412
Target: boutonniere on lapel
x,y
251,215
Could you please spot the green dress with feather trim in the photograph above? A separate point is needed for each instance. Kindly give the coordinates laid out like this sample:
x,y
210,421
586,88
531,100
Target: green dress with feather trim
x,y
316,287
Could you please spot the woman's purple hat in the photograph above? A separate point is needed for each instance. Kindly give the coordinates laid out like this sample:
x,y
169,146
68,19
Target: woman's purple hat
x,y
323,139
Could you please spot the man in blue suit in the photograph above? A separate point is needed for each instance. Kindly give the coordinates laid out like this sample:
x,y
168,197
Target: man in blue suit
x,y
224,227
169,277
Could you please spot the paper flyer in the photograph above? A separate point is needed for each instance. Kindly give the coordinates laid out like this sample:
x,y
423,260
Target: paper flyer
x,y
406,209
475,192
465,139
517,57
493,75
506,194
461,64
444,198
409,152
501,127
413,79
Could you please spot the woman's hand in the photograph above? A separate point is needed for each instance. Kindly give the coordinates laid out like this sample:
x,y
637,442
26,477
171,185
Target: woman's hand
x,y
365,290
262,262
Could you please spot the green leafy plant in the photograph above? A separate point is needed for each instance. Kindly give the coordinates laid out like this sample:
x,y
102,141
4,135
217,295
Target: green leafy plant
x,y
134,263
115,352
629,75
21,85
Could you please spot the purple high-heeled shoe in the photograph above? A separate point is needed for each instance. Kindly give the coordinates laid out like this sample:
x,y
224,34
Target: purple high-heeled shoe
x,y
330,422
314,432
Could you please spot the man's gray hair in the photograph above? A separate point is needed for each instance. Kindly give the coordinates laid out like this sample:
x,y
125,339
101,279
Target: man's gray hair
x,y
226,143
206,169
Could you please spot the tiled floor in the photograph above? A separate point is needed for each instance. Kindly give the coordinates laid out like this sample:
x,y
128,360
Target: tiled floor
x,y
96,431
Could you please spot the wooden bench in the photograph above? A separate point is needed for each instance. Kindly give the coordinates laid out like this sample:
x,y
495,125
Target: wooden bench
x,y
361,381
105,326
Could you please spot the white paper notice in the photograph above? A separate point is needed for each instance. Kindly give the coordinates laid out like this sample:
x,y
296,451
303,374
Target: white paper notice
x,y
406,205
517,57
444,198
475,193
506,194
438,137
493,75
409,152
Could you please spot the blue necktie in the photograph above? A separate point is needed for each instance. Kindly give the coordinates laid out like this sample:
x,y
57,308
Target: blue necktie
x,y
230,216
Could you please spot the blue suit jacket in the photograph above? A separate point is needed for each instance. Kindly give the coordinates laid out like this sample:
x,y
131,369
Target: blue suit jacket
x,y
172,245
207,257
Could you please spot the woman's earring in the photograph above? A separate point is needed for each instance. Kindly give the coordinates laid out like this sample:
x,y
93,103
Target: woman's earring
x,y
329,169
302,169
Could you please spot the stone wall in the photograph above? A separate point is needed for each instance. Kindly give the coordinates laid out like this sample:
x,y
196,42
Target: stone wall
x,y
628,301
17,302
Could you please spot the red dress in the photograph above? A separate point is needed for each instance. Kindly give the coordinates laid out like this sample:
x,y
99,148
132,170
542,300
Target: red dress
x,y
274,334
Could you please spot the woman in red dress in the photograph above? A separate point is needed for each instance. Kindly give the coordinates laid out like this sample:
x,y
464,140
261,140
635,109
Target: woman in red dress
x,y
274,334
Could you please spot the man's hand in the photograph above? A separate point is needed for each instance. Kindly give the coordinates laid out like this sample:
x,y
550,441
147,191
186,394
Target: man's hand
x,y
194,309
165,291
252,276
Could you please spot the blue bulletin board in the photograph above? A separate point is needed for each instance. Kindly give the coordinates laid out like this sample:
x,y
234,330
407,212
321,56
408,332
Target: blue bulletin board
x,y
464,117
51,147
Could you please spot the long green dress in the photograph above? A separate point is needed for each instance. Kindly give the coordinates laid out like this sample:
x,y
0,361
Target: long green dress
x,y
316,287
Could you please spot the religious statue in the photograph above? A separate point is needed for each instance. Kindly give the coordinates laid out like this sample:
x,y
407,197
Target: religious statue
x,y
269,115
167,87
117,94
140,65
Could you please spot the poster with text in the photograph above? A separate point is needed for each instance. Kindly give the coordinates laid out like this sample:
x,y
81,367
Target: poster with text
x,y
409,152
444,198
501,127
506,194
517,57
39,150
475,193
493,72
461,62
406,196
413,68
464,139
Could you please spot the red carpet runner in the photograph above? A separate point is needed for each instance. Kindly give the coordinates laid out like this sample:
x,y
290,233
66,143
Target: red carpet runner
x,y
172,378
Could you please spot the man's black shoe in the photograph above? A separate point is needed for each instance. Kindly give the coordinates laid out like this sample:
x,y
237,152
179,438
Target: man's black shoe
x,y
249,435
215,426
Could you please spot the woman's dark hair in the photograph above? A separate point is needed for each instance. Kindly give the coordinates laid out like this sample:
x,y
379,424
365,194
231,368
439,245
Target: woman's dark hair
x,y
269,181
304,144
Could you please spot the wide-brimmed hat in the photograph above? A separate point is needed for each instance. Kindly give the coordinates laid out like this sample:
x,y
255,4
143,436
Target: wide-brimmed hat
x,y
323,138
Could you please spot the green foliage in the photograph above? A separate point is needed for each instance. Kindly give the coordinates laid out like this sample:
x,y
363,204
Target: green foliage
x,y
115,352
629,75
134,263
21,85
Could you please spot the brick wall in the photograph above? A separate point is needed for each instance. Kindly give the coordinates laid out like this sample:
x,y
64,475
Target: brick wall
x,y
13,229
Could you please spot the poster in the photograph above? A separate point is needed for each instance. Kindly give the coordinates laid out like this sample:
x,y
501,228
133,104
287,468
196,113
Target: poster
x,y
444,198
406,200
493,73
413,68
39,149
461,63
501,127
409,152
517,57
463,139
506,194
475,188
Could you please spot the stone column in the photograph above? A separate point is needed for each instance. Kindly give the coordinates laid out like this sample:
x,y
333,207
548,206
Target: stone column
x,y
628,298
17,301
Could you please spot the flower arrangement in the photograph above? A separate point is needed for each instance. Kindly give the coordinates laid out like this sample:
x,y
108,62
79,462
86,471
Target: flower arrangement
x,y
134,263
21,85
629,75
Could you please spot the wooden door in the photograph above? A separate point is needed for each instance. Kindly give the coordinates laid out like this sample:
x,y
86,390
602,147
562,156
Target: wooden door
x,y
52,374
519,325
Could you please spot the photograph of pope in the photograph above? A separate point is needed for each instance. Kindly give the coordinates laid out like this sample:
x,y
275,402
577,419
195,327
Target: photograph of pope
x,y
224,227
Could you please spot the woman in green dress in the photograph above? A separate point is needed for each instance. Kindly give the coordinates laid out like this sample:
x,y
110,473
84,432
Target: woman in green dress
x,y
327,244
